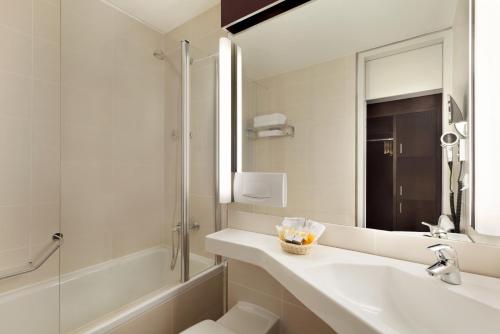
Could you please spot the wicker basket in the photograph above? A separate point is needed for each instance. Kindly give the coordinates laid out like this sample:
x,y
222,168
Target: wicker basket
x,y
295,249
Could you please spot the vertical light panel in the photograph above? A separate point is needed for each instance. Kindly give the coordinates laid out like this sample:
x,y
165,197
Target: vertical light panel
x,y
487,117
224,126
239,110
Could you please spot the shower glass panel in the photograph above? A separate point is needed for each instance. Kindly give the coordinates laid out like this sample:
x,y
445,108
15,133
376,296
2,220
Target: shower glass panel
x,y
29,166
90,148
115,213
203,204
200,75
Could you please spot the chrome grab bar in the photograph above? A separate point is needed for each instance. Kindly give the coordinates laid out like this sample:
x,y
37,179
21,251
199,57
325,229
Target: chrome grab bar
x,y
57,241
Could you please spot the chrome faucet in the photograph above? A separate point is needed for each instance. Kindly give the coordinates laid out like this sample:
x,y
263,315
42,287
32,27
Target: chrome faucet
x,y
441,230
176,249
435,231
446,267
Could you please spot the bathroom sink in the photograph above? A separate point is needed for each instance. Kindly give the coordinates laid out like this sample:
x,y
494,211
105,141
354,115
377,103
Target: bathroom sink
x,y
396,301
362,293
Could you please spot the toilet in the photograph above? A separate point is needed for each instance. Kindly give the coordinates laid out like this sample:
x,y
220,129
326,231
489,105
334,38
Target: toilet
x,y
243,318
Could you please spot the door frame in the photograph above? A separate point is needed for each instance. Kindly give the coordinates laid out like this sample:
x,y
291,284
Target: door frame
x,y
444,38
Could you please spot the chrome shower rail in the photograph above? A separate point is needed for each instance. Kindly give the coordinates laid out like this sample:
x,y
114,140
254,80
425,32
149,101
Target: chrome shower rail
x,y
57,241
185,126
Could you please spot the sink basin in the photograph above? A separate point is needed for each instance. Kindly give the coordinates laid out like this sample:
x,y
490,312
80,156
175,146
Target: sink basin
x,y
396,301
367,294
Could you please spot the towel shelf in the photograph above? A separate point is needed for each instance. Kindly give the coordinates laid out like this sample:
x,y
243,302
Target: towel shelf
x,y
381,139
271,131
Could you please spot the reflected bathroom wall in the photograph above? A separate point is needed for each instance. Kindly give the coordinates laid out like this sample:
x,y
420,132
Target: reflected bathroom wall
x,y
319,101
461,90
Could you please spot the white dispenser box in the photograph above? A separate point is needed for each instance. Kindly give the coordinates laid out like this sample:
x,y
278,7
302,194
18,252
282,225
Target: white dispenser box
x,y
266,189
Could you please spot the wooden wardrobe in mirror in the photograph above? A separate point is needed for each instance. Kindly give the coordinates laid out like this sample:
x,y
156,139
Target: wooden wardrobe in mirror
x,y
403,171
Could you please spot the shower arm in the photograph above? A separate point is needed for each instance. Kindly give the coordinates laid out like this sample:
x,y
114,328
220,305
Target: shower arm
x,y
57,241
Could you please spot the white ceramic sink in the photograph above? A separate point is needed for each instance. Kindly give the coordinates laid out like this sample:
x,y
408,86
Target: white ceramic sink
x,y
403,303
367,294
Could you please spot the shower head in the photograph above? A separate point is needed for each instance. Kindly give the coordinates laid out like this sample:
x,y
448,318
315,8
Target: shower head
x,y
159,54
448,140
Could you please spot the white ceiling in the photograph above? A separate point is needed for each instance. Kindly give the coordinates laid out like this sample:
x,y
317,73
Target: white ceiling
x,y
327,29
164,15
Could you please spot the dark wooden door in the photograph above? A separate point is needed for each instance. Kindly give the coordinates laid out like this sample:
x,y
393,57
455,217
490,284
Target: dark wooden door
x,y
413,171
379,174
418,170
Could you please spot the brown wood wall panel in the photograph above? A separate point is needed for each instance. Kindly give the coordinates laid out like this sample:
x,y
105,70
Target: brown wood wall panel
x,y
233,10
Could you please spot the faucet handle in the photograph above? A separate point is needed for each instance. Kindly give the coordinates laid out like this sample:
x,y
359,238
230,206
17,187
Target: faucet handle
x,y
444,252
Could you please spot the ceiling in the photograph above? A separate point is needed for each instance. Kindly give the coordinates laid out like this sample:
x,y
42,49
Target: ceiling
x,y
164,15
322,30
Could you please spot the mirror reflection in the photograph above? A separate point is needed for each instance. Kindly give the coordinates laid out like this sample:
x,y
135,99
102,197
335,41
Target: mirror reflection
x,y
365,109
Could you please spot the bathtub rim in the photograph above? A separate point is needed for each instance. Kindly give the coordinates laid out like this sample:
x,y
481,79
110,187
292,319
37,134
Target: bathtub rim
x,y
126,312
59,280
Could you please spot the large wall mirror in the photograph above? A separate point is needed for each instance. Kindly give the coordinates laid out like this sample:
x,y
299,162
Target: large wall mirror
x,y
368,110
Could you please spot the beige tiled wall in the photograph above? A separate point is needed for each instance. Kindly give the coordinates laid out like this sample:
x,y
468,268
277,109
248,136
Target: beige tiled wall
x,y
254,285
29,134
111,142
112,134
319,101
203,32
201,302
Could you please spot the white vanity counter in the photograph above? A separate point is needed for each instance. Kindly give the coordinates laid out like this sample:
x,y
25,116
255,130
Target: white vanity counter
x,y
361,293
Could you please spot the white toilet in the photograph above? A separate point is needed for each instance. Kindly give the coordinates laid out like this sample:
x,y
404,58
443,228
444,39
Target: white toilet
x,y
243,318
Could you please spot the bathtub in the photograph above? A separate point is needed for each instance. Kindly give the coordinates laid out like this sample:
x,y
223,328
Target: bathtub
x,y
96,299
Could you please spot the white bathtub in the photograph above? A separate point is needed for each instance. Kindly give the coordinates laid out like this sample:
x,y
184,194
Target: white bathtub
x,y
98,298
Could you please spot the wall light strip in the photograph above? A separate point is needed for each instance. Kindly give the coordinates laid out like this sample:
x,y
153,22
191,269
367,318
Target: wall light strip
x,y
239,110
225,70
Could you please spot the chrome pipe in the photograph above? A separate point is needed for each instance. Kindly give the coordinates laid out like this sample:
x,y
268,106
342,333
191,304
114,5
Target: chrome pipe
x,y
175,248
57,241
185,135
218,218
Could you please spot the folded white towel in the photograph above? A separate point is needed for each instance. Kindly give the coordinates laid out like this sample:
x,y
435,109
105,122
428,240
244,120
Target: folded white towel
x,y
270,133
302,224
269,120
295,222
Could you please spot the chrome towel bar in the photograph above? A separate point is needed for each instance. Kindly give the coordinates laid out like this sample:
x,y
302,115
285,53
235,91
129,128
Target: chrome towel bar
x,y
380,139
57,241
